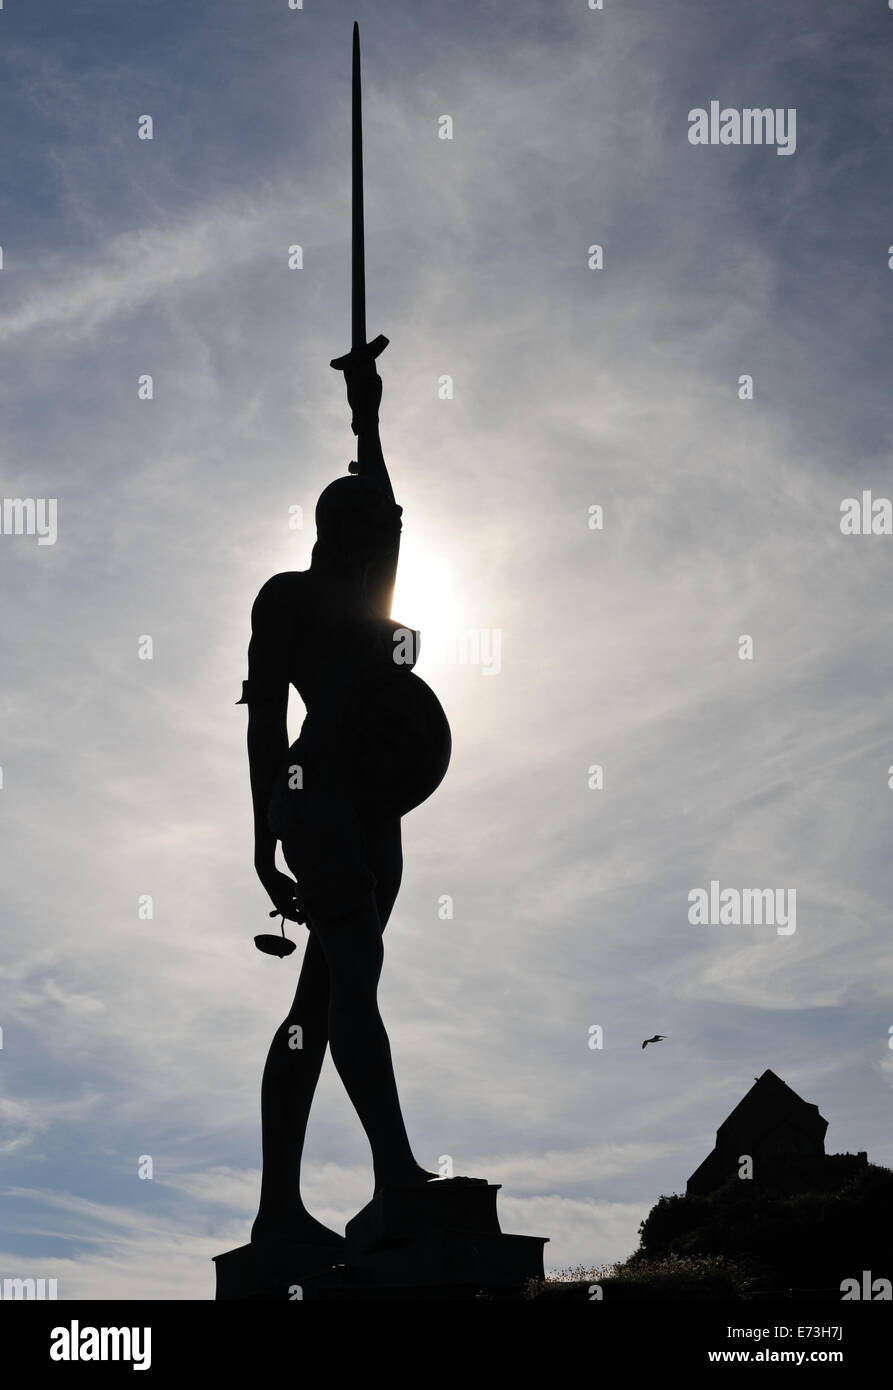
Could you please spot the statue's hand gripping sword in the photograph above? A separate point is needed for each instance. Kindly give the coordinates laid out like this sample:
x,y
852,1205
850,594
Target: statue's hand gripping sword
x,y
361,352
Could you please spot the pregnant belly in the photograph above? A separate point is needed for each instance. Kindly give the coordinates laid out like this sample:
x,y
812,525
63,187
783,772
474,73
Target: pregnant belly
x,y
397,740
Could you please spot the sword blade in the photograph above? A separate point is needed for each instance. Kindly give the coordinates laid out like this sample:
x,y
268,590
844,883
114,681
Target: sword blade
x,y
358,249
360,350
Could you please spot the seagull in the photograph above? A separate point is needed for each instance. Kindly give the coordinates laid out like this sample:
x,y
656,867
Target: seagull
x,y
658,1037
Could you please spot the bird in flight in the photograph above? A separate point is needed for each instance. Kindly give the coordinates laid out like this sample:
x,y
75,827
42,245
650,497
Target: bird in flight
x,y
658,1037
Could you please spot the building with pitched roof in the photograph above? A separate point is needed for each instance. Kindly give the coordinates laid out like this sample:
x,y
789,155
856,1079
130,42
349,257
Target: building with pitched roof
x,y
782,1135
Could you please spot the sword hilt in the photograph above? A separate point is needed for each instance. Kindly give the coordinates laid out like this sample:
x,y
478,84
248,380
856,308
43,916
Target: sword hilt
x,y
367,353
359,357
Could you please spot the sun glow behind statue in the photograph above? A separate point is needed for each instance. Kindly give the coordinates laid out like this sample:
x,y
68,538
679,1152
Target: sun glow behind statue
x,y
424,597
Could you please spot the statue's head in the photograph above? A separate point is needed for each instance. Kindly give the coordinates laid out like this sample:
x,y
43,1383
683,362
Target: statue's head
x,y
355,522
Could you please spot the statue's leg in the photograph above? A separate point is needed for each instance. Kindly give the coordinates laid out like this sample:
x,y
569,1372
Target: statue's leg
x,y
384,853
353,949
291,1072
290,1076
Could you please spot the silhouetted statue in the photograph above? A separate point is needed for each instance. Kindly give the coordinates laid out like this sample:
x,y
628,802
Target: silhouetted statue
x,y
375,743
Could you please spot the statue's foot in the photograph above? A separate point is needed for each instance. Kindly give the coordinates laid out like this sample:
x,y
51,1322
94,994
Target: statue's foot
x,y
297,1228
416,1176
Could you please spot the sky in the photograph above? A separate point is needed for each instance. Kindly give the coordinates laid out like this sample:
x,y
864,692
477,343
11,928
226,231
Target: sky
x,y
522,389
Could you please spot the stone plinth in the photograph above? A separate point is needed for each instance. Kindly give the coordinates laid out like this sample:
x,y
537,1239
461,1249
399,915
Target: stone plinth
x,y
272,1271
438,1241
449,1204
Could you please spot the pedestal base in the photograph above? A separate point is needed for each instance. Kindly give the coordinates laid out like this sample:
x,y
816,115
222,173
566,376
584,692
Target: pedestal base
x,y
446,1204
273,1271
438,1241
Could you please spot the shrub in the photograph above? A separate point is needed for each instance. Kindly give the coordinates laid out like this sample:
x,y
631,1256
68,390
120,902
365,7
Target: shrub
x,y
666,1277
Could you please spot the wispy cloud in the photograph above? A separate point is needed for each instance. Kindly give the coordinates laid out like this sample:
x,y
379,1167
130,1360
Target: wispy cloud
x,y
125,1035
